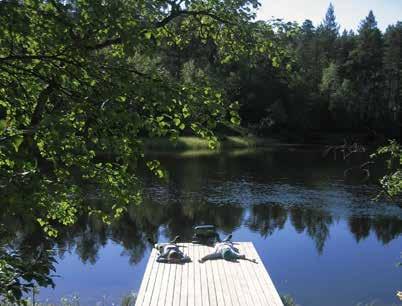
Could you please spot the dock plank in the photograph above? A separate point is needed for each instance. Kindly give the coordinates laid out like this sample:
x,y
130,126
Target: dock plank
x,y
162,268
164,285
190,276
253,277
184,282
216,279
209,276
265,278
215,282
197,277
152,280
240,282
171,284
146,277
249,279
178,285
227,267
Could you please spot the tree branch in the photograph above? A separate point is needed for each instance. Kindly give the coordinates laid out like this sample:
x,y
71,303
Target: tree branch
x,y
176,14
160,24
26,57
106,43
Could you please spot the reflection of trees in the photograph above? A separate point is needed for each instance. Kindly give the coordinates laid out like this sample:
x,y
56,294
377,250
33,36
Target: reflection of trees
x,y
385,228
24,261
182,203
315,221
182,217
175,208
265,219
131,230
360,227
87,238
90,234
297,219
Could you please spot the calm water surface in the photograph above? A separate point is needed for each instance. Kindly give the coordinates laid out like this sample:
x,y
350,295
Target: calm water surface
x,y
323,240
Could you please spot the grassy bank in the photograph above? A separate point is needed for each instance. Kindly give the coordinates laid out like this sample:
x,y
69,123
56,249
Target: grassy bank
x,y
195,143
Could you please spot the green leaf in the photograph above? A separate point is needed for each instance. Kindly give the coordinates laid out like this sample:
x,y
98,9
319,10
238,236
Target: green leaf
x,y
148,35
3,125
160,173
235,120
17,142
186,111
275,62
176,121
227,59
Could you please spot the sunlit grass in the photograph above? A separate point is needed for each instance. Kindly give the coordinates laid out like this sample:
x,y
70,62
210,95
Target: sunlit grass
x,y
191,153
195,143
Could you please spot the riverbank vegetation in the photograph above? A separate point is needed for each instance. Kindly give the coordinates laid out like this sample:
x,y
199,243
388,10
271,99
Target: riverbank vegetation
x,y
83,83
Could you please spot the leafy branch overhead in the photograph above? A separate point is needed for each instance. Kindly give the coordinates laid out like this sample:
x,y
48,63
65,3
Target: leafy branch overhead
x,y
392,182
82,82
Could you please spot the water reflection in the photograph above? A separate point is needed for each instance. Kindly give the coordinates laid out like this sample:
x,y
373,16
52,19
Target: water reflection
x,y
90,235
265,219
385,228
300,192
131,231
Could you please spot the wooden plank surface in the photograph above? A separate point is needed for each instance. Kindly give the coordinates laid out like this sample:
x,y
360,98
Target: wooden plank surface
x,y
214,282
146,278
209,278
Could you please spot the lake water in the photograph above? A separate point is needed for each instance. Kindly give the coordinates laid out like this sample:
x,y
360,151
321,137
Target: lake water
x,y
324,241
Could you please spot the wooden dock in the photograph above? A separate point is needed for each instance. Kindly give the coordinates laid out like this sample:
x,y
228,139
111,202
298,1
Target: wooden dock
x,y
215,282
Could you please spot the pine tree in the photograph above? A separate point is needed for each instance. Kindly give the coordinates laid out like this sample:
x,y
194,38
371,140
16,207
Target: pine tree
x,y
369,23
309,54
328,32
307,29
393,68
367,58
329,23
344,45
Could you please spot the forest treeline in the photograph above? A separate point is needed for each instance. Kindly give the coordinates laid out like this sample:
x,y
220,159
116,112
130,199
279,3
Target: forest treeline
x,y
325,80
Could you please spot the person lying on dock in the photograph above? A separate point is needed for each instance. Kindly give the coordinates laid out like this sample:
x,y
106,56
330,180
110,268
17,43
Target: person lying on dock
x,y
171,253
225,250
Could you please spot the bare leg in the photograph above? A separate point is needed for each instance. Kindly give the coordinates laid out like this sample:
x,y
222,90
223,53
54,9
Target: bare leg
x,y
245,258
210,257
